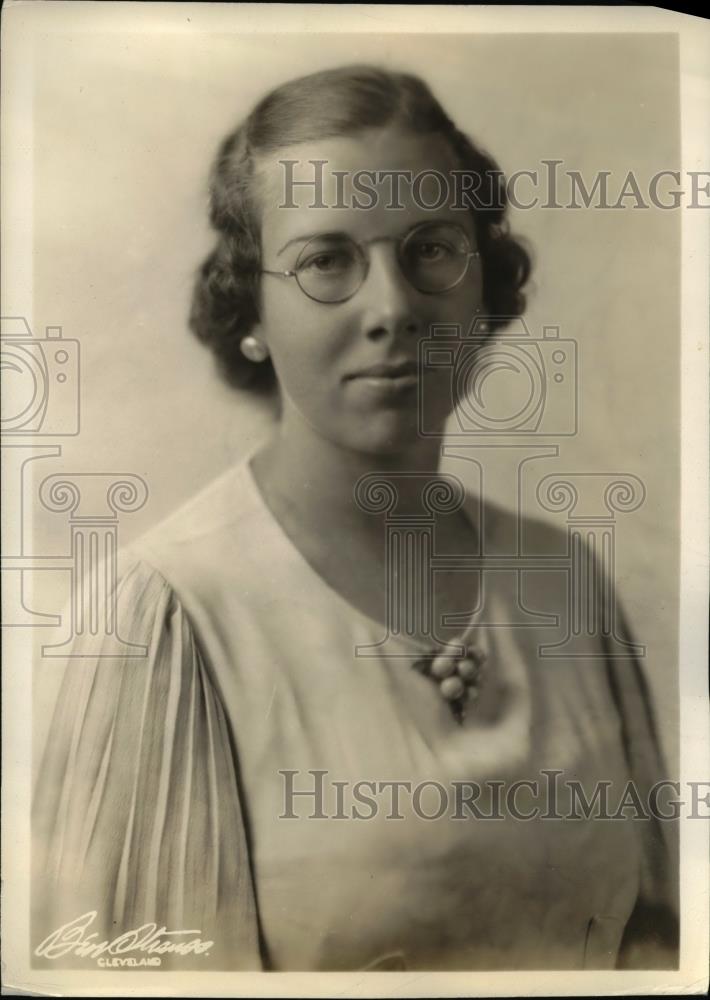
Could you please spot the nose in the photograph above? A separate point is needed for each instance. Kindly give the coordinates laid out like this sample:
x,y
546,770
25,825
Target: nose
x,y
389,306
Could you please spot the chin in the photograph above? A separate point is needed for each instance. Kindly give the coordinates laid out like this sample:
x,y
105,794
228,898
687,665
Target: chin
x,y
394,435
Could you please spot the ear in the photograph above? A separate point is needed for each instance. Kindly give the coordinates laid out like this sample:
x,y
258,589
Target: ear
x,y
258,331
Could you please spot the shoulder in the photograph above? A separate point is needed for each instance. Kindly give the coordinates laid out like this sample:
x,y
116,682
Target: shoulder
x,y
137,788
212,540
222,507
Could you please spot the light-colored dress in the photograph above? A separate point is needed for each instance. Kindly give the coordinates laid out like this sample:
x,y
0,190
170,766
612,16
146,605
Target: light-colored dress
x,y
165,780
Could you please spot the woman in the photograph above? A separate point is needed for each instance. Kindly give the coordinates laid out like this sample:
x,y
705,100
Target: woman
x,y
205,787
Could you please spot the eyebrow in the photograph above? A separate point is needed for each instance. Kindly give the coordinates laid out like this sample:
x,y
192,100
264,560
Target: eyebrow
x,y
311,236
340,234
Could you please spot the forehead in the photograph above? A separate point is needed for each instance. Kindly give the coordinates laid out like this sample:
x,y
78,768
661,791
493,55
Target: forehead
x,y
350,188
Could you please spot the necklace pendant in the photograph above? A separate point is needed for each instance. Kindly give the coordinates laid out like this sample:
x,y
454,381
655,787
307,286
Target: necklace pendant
x,y
457,677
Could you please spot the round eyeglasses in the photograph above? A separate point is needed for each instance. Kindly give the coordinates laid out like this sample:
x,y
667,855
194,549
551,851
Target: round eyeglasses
x,y
433,256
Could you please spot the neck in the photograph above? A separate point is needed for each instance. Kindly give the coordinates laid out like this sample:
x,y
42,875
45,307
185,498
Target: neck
x,y
316,478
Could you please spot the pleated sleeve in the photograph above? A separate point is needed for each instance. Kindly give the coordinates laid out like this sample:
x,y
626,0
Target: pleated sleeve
x,y
136,814
651,939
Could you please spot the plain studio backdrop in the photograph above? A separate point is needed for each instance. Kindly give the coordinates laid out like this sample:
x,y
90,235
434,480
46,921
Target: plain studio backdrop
x,y
125,129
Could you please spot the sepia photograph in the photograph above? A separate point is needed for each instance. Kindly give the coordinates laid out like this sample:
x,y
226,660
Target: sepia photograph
x,y
355,500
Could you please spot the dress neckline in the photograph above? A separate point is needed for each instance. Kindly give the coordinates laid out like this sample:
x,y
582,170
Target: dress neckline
x,y
408,643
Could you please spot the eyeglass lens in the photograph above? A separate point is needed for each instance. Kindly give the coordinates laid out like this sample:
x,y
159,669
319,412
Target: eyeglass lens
x,y
433,258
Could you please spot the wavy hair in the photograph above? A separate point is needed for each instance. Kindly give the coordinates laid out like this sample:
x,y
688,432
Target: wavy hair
x,y
337,102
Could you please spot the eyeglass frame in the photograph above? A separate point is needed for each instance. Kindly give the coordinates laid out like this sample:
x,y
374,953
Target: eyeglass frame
x,y
399,240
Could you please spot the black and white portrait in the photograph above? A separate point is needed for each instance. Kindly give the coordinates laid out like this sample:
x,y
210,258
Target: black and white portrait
x,y
344,456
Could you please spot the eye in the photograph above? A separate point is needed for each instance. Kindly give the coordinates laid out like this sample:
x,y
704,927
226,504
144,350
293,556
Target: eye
x,y
428,251
327,262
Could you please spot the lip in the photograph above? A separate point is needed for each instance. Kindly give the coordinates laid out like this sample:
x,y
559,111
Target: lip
x,y
388,370
387,382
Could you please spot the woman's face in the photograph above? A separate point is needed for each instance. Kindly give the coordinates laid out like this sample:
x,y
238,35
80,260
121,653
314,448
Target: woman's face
x,y
321,351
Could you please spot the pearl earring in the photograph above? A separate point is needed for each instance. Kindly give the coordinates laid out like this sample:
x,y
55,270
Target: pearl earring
x,y
254,350
480,325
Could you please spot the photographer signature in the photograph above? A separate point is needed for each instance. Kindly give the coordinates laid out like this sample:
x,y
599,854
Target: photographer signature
x,y
72,939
